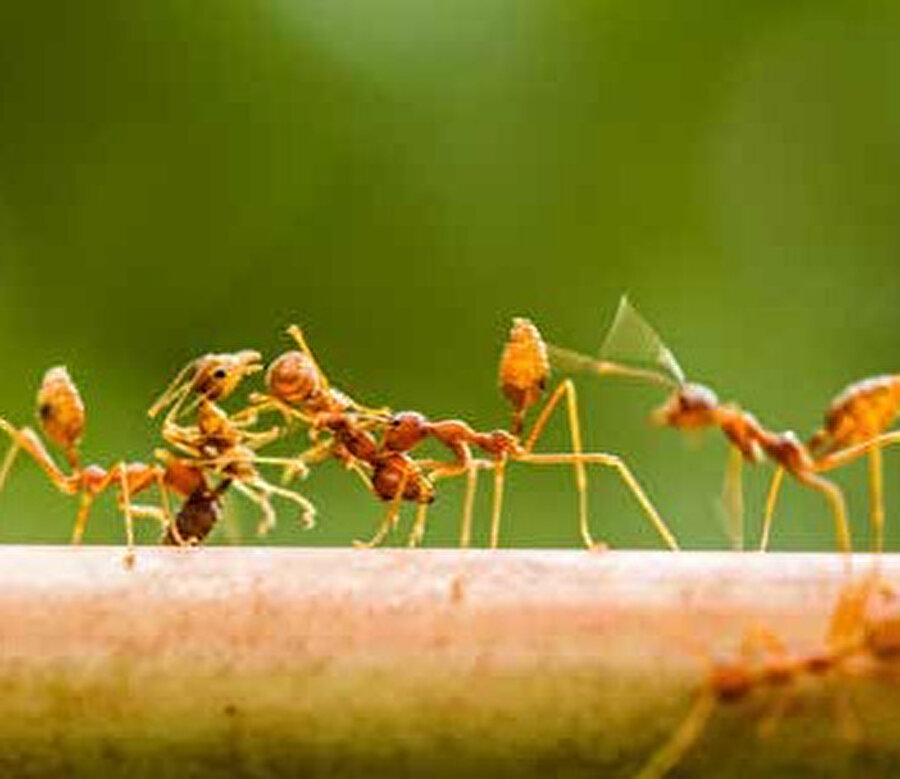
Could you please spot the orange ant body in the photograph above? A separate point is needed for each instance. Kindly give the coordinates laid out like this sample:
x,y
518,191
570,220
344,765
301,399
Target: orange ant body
x,y
523,375
62,416
298,389
858,631
219,443
854,424
692,406
198,515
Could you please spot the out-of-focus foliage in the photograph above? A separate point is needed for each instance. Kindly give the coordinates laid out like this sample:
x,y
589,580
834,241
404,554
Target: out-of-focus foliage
x,y
401,178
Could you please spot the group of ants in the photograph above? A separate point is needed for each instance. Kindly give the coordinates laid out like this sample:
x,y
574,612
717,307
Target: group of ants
x,y
211,450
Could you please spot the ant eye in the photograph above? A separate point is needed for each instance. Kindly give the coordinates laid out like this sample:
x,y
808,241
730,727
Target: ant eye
x,y
220,373
45,410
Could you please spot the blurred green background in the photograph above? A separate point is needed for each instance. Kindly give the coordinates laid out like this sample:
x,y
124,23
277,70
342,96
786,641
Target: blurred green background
x,y
401,178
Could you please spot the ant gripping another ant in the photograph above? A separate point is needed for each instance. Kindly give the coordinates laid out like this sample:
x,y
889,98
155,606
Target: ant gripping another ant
x,y
62,417
299,390
693,406
219,443
523,375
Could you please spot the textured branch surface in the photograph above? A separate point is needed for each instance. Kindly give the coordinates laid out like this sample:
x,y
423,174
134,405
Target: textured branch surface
x,y
300,662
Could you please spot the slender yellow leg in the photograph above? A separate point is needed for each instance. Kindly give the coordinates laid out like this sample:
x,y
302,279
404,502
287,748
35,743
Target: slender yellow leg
x,y
835,499
84,509
876,499
391,516
771,500
8,462
306,506
609,461
567,388
268,513
733,498
691,728
469,467
418,529
497,506
129,520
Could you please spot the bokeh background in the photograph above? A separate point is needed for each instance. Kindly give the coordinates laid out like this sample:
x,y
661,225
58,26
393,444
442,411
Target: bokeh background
x,y
401,178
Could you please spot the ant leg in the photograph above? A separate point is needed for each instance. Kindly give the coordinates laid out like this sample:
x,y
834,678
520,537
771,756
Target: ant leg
x,y
771,500
469,467
618,464
28,440
268,518
497,507
390,517
690,729
835,498
126,510
8,461
308,509
84,508
418,530
567,388
168,518
732,500
876,498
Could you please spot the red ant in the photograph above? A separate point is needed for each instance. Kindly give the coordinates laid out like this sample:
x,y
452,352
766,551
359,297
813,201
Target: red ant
x,y
523,376
299,390
695,406
854,425
857,630
220,443
62,416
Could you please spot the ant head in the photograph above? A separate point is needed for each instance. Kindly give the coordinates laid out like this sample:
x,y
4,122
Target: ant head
x,y
689,407
212,376
524,367
405,430
294,378
216,376
60,408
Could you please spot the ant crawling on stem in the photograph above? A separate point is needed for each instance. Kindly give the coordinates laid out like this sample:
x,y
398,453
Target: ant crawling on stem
x,y
221,443
523,375
855,424
693,406
864,629
62,417
299,390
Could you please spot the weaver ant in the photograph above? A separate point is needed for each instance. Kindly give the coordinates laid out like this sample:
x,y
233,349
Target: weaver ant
x,y
858,630
299,390
220,443
854,425
523,375
61,413
693,406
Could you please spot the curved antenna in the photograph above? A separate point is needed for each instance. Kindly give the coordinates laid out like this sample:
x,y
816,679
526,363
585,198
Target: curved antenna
x,y
632,339
570,361
176,390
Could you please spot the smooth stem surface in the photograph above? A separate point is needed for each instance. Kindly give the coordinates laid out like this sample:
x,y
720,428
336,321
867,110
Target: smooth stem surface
x,y
302,662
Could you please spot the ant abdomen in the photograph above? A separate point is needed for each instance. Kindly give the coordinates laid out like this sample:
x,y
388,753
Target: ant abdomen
x,y
60,408
293,378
